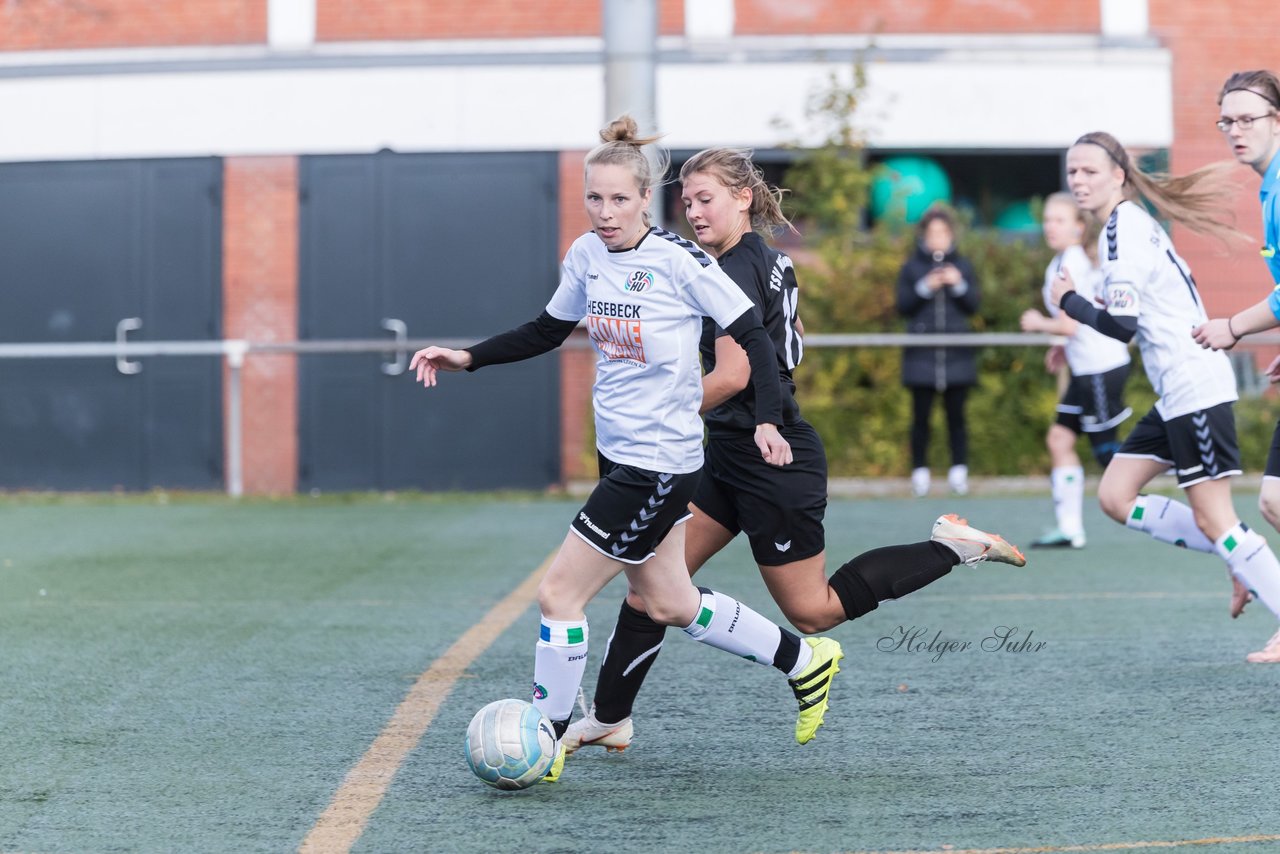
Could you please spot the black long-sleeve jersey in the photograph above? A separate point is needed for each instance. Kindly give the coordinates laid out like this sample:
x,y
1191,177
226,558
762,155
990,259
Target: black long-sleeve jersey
x,y
767,277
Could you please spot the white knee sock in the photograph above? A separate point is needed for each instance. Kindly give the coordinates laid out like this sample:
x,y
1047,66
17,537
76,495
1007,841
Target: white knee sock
x,y
1068,498
558,665
1252,561
725,623
1168,521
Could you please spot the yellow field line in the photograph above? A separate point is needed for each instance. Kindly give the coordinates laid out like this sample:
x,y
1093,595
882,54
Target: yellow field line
x,y
1099,846
342,822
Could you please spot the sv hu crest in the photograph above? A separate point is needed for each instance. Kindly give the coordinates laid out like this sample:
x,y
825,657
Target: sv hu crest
x,y
638,281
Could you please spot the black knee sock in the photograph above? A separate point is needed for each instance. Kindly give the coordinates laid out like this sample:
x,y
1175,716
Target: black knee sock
x,y
788,651
631,651
889,573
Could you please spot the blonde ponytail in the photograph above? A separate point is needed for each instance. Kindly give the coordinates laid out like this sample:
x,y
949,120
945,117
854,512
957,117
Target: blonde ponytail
x,y
1199,200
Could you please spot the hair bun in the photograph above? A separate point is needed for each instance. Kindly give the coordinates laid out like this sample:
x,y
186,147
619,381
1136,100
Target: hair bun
x,y
621,129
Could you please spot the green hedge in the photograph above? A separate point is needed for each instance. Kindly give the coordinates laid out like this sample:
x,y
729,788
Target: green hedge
x,y
848,274
855,397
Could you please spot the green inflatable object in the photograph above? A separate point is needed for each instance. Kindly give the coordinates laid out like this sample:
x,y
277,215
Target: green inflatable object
x,y
1019,216
905,187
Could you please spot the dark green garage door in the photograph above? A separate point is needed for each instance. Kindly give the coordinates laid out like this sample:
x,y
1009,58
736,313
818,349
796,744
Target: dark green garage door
x,y
443,246
89,248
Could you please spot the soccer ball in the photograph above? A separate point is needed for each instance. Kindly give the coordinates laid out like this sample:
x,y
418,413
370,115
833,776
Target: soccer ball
x,y
510,745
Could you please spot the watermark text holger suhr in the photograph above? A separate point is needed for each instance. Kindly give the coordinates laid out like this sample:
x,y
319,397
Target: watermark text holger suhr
x,y
936,645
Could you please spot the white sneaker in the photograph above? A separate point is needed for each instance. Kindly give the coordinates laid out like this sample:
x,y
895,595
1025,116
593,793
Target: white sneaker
x,y
1058,539
958,480
920,482
587,730
1269,654
974,546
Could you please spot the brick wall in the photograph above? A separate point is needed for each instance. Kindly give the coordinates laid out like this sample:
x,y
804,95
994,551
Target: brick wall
x,y
1208,43
63,24
791,17
260,303
344,20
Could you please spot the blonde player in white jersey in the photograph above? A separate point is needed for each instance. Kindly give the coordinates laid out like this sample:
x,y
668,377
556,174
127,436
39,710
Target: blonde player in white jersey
x,y
643,292
1093,403
1148,293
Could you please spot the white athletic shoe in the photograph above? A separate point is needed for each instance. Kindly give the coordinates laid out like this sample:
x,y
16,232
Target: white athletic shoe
x,y
958,479
1056,539
587,731
974,546
1269,654
920,482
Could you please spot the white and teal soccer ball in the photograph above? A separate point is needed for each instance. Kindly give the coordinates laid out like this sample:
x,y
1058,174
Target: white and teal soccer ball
x,y
510,745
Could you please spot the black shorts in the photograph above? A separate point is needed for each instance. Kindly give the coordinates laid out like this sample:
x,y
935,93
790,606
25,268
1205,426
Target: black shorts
x,y
1094,403
1200,446
779,509
631,510
1273,456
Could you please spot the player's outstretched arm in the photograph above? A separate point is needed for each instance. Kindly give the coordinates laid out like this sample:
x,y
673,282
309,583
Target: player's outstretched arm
x,y
430,360
524,342
1222,333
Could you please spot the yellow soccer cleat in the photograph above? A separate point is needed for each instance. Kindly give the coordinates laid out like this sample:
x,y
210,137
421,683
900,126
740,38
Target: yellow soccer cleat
x,y
812,686
553,773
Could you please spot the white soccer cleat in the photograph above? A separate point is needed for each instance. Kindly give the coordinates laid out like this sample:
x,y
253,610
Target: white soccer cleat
x,y
958,479
920,482
1269,654
587,731
1057,539
974,546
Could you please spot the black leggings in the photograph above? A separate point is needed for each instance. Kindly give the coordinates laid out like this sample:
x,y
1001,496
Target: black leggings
x,y
953,399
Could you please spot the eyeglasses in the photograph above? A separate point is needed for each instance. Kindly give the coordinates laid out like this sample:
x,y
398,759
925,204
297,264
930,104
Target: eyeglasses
x,y
1245,122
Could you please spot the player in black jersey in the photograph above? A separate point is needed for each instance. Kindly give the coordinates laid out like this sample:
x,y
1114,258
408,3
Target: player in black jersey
x,y
780,509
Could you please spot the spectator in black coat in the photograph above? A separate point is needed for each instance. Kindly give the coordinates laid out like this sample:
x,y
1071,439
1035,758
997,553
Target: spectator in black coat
x,y
938,292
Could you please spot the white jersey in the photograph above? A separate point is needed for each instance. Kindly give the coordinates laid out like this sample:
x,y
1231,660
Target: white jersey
x,y
644,308
1143,277
1088,350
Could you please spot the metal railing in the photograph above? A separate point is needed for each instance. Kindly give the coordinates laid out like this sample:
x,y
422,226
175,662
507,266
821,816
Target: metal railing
x,y
234,352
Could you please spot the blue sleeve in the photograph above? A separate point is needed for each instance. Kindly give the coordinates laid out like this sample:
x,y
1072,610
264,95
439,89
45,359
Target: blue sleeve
x,y
1273,301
